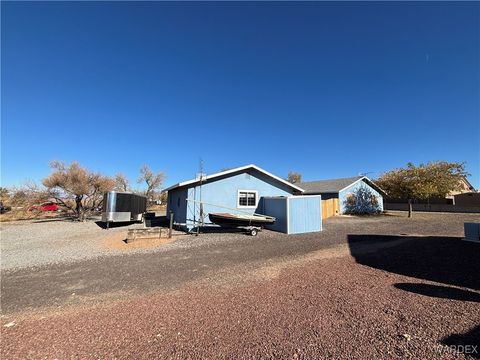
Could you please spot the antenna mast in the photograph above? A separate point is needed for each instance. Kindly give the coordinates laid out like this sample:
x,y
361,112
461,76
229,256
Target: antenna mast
x,y
200,166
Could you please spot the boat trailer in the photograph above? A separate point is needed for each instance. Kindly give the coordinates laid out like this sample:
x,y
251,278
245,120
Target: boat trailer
x,y
251,224
250,230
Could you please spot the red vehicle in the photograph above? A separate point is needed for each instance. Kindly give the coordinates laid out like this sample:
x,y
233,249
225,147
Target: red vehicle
x,y
48,206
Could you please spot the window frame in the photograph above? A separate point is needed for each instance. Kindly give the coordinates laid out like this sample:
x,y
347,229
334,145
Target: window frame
x,y
247,206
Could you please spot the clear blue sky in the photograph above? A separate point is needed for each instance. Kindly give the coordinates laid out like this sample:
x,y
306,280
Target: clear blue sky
x,y
325,89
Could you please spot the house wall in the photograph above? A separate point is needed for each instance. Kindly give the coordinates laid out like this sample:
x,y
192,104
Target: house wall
x,y
342,195
177,204
221,194
465,187
304,214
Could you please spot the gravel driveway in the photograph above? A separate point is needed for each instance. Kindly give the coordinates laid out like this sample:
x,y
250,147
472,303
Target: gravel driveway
x,y
38,243
329,308
93,273
34,243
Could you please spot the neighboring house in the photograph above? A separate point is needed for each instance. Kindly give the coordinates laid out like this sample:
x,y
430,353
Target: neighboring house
x,y
465,187
247,189
335,192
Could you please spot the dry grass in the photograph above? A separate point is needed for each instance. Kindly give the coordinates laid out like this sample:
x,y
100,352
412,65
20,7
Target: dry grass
x,y
155,208
18,215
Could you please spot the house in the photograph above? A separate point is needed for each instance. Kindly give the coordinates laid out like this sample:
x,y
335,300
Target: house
x,y
335,192
464,188
247,189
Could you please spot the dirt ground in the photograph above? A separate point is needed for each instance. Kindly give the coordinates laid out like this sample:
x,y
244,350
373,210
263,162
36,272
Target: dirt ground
x,y
380,287
117,241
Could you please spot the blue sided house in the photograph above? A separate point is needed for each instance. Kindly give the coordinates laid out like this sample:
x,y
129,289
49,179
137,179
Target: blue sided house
x,y
244,190
342,190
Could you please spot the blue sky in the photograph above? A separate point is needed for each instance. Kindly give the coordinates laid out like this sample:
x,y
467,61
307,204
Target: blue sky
x,y
325,89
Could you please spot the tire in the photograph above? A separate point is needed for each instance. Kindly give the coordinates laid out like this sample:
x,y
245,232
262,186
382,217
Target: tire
x,y
253,232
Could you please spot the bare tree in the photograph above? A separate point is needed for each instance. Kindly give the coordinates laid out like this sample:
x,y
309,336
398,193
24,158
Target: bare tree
x,y
25,196
121,182
4,197
294,177
76,188
152,180
164,197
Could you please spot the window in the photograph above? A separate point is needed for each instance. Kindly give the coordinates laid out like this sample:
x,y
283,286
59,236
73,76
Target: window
x,y
247,198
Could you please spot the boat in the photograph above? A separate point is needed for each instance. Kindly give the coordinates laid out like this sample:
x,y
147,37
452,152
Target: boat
x,y
236,220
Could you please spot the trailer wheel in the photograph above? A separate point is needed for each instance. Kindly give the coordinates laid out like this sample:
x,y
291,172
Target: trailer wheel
x,y
253,232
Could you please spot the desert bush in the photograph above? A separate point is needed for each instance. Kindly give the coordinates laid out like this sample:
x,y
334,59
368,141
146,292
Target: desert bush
x,y
361,202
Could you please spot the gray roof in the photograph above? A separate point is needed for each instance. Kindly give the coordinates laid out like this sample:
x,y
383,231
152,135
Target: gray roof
x,y
328,186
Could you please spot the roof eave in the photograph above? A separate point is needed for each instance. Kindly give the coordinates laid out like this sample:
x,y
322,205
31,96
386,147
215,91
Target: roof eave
x,y
376,187
227,172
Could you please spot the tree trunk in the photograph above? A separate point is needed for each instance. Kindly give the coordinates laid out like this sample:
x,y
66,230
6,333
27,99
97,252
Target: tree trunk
x,y
79,207
410,207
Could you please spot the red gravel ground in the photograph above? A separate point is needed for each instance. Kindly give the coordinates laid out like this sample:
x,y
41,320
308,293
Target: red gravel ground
x,y
320,308
364,288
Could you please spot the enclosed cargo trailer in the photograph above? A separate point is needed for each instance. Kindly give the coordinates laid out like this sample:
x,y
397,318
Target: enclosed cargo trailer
x,y
123,207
